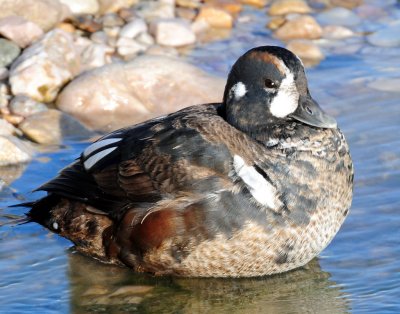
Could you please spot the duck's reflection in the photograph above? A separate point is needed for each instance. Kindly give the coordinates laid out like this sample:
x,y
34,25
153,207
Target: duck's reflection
x,y
102,288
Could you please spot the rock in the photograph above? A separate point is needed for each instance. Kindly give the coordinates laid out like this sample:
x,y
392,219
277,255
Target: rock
x,y
99,37
112,31
3,74
121,94
86,23
24,106
215,17
157,50
19,30
42,70
276,22
150,10
133,29
95,55
7,128
338,16
172,32
128,47
129,290
145,39
386,37
4,96
52,126
283,7
82,6
255,3
45,13
8,52
303,26
186,13
190,4
66,27
112,6
336,32
230,6
111,20
13,151
349,4
305,49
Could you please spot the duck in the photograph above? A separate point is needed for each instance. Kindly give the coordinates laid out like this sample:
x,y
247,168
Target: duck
x,y
256,185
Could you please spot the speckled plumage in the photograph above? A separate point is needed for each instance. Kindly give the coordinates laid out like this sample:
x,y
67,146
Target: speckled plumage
x,y
166,198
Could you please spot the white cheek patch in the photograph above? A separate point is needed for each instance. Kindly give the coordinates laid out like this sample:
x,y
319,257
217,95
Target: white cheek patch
x,y
286,100
238,90
259,187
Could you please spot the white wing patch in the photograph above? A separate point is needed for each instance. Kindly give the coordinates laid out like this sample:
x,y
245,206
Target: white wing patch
x,y
90,162
261,189
98,145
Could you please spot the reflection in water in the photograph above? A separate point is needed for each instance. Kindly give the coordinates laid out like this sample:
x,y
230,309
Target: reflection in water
x,y
96,287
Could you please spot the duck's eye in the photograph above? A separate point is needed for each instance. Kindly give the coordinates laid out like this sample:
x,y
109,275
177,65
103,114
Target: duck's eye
x,y
270,83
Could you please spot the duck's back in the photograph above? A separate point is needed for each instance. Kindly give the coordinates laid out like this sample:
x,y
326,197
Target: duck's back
x,y
190,195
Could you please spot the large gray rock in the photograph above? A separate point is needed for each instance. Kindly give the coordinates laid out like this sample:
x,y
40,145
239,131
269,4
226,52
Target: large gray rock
x,y
45,67
121,94
45,13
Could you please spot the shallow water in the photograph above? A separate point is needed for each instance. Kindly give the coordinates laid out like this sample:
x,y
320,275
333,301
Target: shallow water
x,y
358,272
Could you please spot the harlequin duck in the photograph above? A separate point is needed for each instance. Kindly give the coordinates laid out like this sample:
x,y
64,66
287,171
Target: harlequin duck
x,y
256,185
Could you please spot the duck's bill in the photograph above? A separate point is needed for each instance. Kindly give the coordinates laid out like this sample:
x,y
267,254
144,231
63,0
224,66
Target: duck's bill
x,y
309,112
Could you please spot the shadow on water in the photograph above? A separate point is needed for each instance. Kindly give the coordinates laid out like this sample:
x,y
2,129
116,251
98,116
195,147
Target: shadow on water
x,y
96,287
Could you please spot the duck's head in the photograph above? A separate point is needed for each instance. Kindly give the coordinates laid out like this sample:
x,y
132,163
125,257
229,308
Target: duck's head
x,y
268,86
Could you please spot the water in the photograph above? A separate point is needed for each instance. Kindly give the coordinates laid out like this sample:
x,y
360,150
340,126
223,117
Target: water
x,y
358,273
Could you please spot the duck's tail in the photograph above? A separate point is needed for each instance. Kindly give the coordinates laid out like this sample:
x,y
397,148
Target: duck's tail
x,y
40,210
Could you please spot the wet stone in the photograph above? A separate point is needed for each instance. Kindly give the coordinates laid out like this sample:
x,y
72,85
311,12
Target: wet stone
x,y
349,4
276,22
52,126
386,37
337,32
13,151
283,7
256,3
8,52
305,49
338,16
215,17
303,26
173,32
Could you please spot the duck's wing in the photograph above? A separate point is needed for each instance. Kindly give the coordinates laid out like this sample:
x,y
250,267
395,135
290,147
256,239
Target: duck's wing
x,y
186,153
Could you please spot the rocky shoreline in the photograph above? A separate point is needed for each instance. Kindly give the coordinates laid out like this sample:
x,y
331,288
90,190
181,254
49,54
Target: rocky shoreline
x,y
68,68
